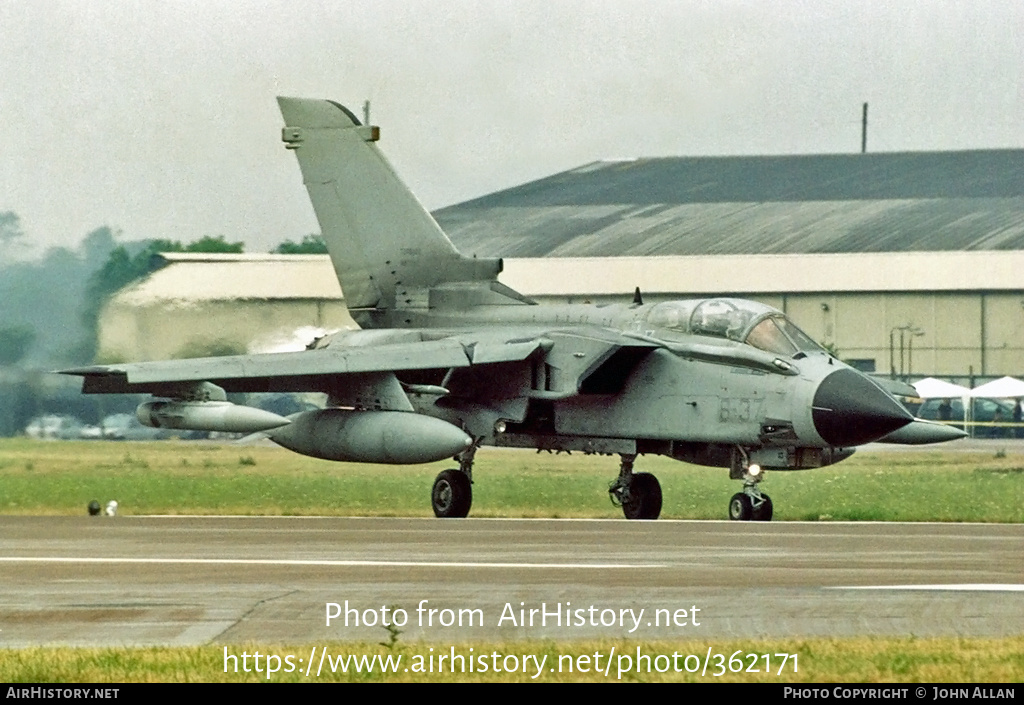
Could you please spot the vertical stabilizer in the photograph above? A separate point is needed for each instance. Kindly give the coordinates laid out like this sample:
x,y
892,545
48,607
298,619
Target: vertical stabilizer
x,y
387,250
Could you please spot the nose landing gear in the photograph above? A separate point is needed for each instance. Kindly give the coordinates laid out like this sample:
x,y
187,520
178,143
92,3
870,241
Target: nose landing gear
x,y
751,504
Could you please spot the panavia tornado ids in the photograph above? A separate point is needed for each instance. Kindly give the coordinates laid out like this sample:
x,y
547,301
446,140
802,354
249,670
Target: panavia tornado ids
x,y
449,359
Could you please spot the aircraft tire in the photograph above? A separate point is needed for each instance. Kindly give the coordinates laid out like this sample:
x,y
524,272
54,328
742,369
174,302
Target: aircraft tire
x,y
645,497
740,507
764,511
452,495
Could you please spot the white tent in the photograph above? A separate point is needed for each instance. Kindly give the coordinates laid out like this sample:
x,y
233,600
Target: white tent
x,y
1003,388
931,388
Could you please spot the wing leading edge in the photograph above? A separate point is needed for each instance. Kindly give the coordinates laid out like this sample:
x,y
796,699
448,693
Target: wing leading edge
x,y
327,369
309,370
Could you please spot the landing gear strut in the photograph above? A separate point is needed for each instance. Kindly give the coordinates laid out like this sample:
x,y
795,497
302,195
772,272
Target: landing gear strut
x,y
638,494
751,504
452,494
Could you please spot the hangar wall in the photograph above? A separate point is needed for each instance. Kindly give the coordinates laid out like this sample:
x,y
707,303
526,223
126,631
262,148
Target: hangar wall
x,y
945,314
195,305
160,332
928,334
966,334
960,336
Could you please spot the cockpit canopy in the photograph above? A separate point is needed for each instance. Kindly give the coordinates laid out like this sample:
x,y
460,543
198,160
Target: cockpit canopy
x,y
743,321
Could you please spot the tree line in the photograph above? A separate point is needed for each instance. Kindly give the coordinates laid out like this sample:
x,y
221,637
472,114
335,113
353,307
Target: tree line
x,y
51,306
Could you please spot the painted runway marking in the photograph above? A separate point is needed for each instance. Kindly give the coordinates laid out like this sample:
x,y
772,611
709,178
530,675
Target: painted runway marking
x,y
963,587
561,520
338,563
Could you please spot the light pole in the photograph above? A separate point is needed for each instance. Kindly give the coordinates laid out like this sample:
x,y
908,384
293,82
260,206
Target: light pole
x,y
914,333
892,349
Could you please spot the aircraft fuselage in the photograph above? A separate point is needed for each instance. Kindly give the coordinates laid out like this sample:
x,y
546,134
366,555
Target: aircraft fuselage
x,y
696,397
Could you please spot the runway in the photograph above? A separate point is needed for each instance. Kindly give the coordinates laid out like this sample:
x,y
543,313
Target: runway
x,y
196,580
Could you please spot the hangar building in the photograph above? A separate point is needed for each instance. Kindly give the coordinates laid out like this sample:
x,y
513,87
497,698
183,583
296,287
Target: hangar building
x,y
195,305
908,263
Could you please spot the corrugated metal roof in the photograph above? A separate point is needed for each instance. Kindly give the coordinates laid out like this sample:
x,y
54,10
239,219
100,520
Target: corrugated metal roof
x,y
908,202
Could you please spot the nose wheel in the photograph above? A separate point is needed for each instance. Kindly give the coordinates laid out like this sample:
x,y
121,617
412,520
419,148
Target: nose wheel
x,y
754,506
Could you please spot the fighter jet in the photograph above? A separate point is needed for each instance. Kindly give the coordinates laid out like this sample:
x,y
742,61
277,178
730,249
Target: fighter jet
x,y
449,359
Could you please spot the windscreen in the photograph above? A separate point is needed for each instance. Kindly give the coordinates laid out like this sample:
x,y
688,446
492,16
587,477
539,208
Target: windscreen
x,y
778,335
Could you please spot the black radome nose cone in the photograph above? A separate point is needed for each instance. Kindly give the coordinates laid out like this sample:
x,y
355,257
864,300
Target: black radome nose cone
x,y
849,410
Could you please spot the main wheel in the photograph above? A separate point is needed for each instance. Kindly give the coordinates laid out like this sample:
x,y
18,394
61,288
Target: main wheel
x,y
644,497
763,511
740,507
452,494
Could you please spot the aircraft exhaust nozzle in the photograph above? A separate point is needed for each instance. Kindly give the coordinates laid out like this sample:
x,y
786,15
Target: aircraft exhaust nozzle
x,y
208,416
920,432
390,437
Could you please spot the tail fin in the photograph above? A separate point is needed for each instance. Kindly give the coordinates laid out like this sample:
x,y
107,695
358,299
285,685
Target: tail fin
x,y
388,251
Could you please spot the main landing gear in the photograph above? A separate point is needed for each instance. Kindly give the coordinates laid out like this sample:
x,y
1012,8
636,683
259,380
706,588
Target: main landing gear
x,y
452,494
639,494
751,504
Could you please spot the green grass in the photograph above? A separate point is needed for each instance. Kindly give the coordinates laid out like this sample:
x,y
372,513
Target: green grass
x,y
821,660
207,478
171,477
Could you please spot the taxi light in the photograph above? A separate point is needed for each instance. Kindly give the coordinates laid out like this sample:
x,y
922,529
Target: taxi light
x,y
754,470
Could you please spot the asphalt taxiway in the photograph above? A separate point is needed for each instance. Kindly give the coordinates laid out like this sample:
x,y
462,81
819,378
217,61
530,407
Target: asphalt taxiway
x,y
194,580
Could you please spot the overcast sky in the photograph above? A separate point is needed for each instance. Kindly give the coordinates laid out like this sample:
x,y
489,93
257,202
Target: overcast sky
x,y
158,119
